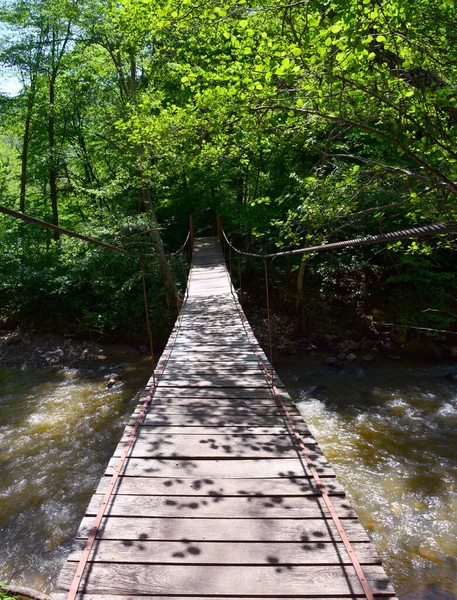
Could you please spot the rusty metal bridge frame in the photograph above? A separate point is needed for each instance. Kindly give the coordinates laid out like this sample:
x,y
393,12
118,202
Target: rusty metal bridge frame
x,y
217,488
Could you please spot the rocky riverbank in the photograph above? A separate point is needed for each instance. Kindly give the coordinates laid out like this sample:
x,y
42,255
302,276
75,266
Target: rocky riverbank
x,y
384,342
19,348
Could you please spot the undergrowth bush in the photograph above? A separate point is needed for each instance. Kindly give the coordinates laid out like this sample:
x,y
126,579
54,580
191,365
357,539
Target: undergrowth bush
x,y
74,287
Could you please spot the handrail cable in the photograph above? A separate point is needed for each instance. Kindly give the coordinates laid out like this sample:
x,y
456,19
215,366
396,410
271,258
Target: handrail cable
x,y
77,578
433,229
85,238
269,374
182,247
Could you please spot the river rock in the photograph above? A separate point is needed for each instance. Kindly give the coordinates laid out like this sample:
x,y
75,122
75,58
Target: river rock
x,y
317,390
341,356
399,337
331,360
422,348
113,379
350,345
351,357
368,358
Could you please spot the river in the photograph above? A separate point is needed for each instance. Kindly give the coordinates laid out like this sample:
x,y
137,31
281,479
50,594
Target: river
x,y
388,428
58,430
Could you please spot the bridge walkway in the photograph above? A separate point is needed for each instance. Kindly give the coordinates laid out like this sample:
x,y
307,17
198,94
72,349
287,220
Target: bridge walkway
x,y
215,499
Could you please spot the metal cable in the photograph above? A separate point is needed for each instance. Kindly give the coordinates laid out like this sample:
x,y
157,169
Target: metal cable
x,y
79,236
182,247
368,593
434,229
74,587
46,225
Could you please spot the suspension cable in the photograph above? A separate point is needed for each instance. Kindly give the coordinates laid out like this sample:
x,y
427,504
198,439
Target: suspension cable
x,y
434,229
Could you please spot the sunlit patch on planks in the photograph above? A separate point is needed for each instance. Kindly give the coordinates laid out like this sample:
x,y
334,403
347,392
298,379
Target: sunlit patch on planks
x,y
215,499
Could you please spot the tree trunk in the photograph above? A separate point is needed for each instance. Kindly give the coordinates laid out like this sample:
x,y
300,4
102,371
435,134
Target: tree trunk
x,y
171,291
24,156
52,166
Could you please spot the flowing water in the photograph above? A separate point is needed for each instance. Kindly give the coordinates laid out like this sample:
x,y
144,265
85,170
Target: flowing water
x,y
58,429
390,431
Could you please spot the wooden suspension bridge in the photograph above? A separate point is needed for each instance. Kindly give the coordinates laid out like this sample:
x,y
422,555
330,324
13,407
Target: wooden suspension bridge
x,y
217,488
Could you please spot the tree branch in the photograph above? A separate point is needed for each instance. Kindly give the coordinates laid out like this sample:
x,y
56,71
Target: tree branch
x,y
19,590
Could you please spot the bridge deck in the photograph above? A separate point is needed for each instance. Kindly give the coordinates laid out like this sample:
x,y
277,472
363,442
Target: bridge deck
x,y
215,499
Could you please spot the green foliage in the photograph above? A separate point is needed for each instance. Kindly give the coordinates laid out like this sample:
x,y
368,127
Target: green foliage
x,y
5,595
80,288
297,126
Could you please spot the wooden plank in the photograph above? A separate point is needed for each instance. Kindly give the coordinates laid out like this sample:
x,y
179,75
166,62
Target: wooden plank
x,y
200,431
209,369
188,356
210,328
228,553
217,506
310,531
185,486
114,578
175,405
210,401
86,596
175,416
227,348
214,446
169,404
196,340
146,431
229,393
229,418
193,415
201,410
225,440
225,468
211,380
